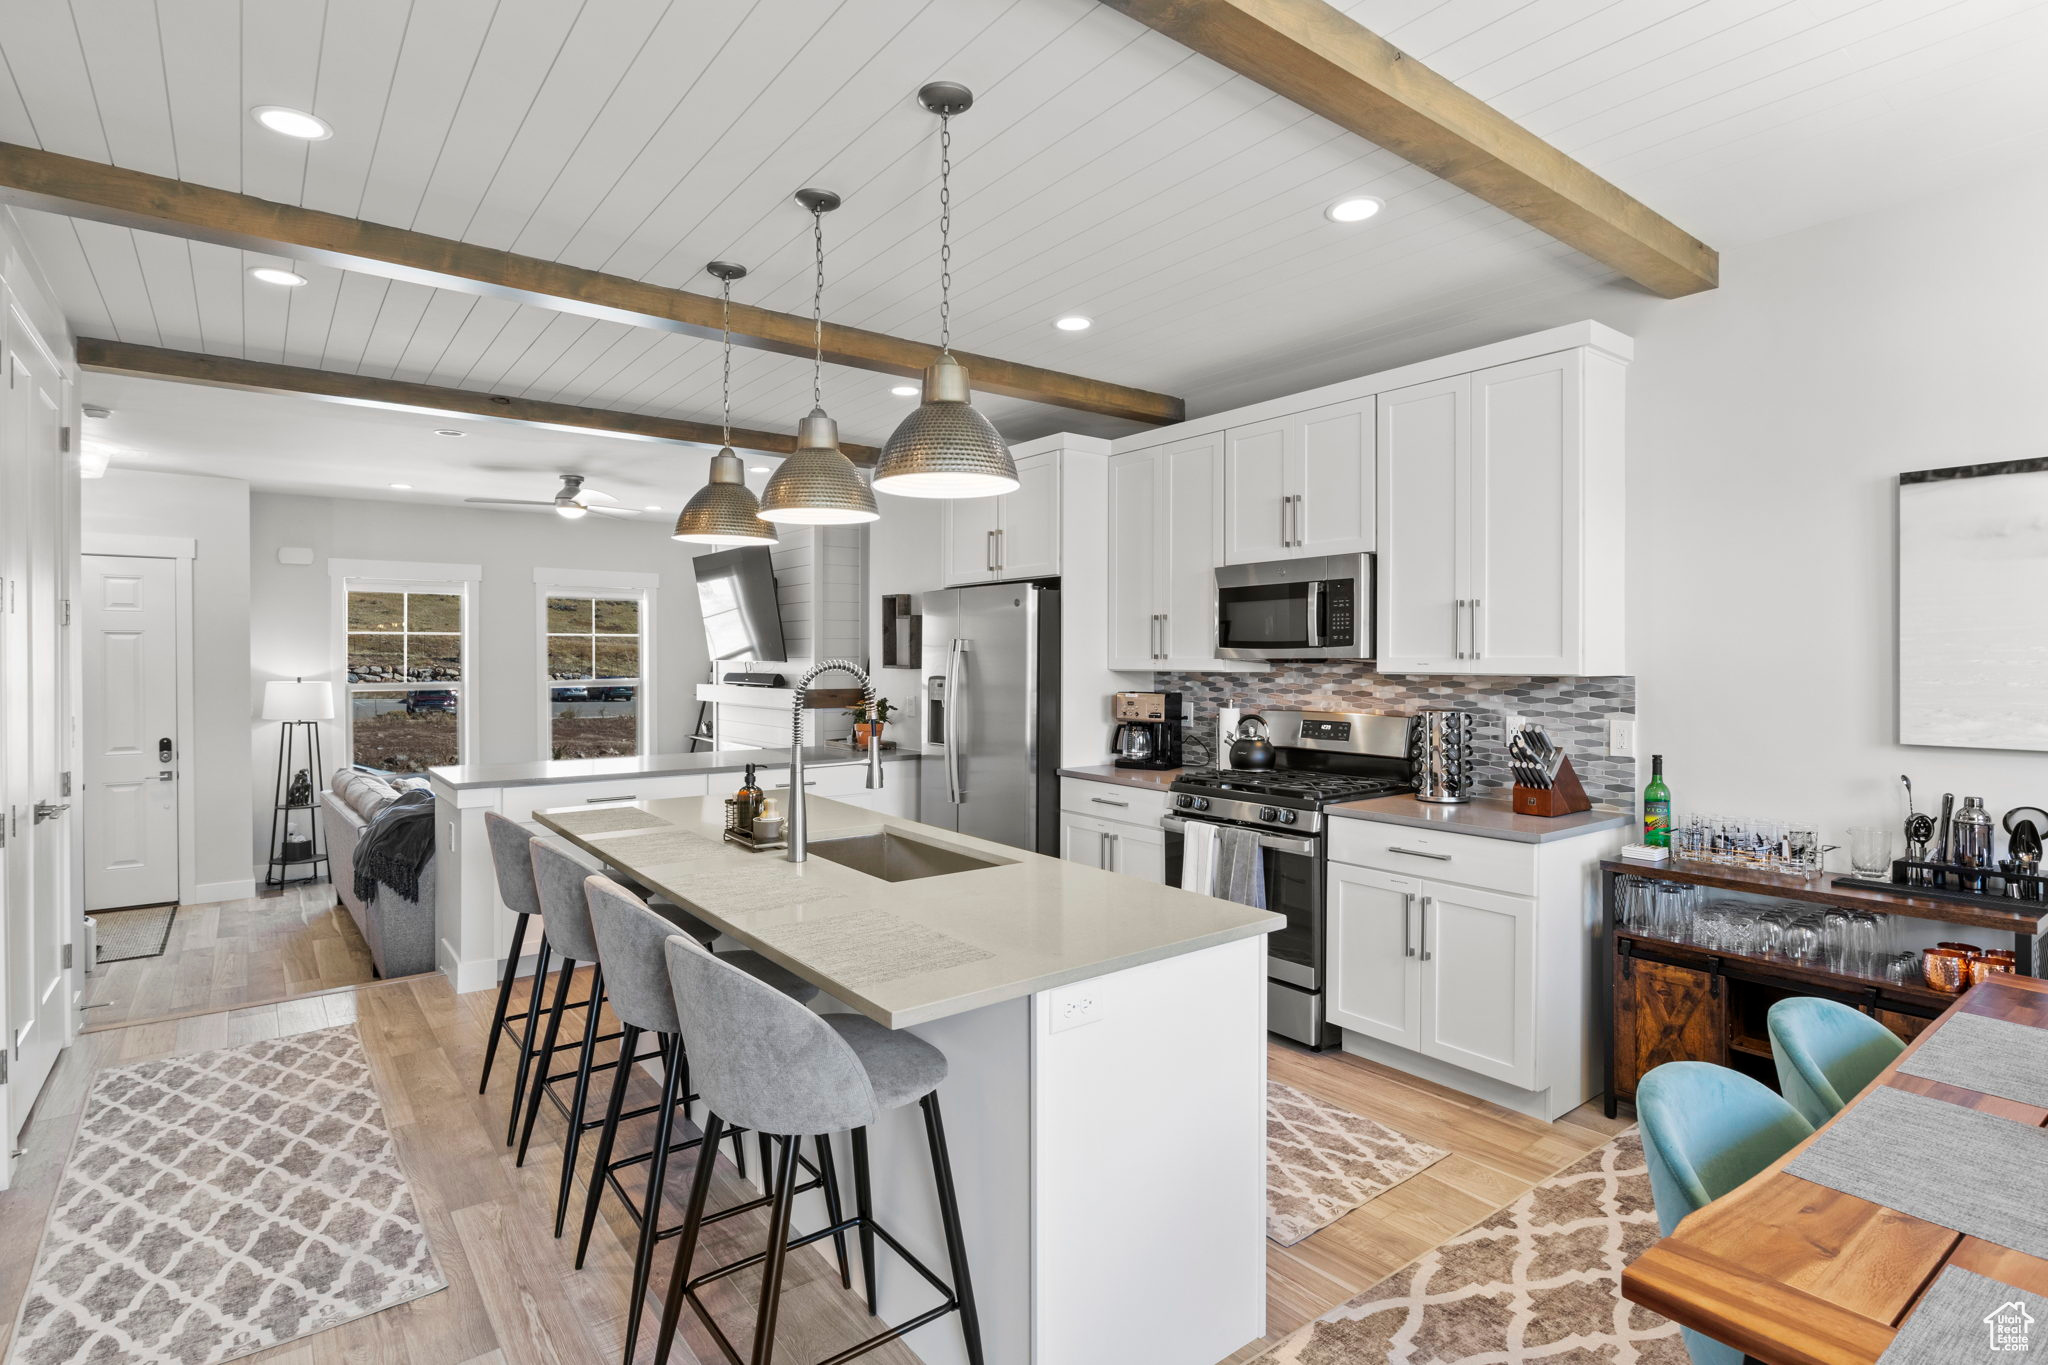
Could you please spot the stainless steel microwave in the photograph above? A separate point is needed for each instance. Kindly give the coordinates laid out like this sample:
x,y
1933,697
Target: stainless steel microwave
x,y
1317,608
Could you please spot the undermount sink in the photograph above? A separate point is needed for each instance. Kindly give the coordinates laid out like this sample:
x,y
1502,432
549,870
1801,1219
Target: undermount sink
x,y
893,857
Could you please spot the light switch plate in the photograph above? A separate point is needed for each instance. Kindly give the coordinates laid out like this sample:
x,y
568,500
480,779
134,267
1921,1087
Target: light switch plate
x,y
1621,736
1073,1007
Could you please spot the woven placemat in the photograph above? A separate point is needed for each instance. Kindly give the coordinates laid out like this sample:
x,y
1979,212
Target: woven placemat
x,y
1991,1056
1957,1168
1967,1319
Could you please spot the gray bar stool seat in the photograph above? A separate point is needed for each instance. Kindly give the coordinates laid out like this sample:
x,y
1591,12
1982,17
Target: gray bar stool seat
x,y
512,865
629,938
767,1063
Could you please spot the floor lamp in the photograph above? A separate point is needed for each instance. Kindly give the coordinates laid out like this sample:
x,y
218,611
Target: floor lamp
x,y
301,706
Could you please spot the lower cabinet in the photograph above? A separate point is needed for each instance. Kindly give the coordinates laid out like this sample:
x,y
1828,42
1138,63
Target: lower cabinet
x,y
1443,970
1114,846
1664,1012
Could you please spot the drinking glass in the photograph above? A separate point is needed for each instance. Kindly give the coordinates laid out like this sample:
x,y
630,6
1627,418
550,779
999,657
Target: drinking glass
x,y
1834,940
1868,942
1802,942
1802,849
1691,839
1870,850
1730,835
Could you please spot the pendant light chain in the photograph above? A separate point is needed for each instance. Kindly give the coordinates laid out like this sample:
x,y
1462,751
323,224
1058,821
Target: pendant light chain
x,y
725,337
945,235
818,310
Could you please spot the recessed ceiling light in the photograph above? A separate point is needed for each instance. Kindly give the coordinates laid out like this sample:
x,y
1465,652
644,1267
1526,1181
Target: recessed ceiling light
x,y
1354,210
270,274
292,122
1074,322
652,507
905,390
449,431
760,469
403,487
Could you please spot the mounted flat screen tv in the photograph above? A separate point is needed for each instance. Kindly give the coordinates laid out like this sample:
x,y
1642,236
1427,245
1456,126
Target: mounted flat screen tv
x,y
742,619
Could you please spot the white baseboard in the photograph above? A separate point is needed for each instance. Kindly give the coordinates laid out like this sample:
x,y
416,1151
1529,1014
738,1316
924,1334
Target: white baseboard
x,y
1535,1103
479,974
207,893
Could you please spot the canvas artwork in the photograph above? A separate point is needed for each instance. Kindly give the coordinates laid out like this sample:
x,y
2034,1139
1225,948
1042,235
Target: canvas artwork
x,y
1973,606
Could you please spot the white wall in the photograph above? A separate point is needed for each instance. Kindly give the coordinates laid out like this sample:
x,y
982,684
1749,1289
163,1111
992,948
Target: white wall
x,y
214,514
904,555
293,632
1768,421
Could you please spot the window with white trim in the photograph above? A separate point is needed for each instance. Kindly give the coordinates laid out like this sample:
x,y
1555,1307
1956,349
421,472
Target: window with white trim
x,y
404,665
594,672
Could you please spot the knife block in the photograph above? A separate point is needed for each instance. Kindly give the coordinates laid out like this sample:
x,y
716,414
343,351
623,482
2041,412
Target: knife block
x,y
1565,795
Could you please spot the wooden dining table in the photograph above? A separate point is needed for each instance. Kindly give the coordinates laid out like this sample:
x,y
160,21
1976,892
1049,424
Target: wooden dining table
x,y
1796,1273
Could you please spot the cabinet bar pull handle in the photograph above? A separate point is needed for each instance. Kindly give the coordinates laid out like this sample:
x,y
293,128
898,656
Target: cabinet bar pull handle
x,y
1407,925
1105,801
1473,634
601,800
1425,927
1284,540
1458,627
1420,853
1109,863
1002,550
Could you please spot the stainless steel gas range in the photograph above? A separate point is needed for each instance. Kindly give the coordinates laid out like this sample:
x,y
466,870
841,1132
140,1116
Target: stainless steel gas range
x,y
1322,758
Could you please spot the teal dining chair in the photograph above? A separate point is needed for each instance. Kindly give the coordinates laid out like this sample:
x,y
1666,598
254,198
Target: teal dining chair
x,y
1827,1053
1705,1130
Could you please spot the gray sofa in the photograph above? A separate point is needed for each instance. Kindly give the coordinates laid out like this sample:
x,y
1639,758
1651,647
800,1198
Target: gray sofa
x,y
400,932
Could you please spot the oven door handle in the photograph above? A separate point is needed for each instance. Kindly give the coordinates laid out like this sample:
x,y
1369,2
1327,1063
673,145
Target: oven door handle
x,y
1276,843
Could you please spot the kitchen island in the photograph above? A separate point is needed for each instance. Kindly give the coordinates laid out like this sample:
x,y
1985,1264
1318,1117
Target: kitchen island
x,y
1106,1038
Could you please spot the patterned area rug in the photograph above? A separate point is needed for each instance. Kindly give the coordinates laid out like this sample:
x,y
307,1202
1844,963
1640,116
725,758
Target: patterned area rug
x,y
218,1204
1322,1162
1538,1283
123,935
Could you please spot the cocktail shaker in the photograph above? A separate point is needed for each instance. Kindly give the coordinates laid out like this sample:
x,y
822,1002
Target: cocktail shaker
x,y
1970,840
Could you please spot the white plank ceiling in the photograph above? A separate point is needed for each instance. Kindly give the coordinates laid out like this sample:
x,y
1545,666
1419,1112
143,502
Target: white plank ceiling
x,y
1104,170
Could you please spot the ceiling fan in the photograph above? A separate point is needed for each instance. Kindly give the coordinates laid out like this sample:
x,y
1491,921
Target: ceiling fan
x,y
571,501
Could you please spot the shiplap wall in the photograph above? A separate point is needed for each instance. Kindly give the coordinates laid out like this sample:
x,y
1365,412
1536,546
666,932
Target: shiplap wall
x,y
821,586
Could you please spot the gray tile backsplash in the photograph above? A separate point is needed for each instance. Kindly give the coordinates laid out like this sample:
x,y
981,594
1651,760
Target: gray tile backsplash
x,y
1574,711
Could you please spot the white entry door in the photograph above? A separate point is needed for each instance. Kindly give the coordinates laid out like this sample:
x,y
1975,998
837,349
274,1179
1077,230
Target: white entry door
x,y
130,618
38,901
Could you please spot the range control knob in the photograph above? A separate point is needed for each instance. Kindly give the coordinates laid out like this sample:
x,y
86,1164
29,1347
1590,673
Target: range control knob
x,y
1184,802
1268,813
1201,803
1288,817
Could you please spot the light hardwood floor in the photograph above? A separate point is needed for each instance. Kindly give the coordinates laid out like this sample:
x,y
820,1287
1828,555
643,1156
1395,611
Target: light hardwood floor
x,y
514,1297
232,954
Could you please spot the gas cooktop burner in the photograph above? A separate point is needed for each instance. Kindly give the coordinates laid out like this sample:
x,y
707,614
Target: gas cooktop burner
x,y
1317,787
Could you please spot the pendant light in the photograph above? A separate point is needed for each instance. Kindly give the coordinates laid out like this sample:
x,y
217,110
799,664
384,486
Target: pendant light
x,y
723,511
818,485
946,449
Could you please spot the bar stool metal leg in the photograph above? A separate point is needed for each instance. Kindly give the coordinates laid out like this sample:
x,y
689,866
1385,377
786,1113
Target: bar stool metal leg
x,y
686,1246
949,1213
504,1000
573,1139
778,1251
533,1013
864,1209
650,1221
564,976
828,1175
629,1043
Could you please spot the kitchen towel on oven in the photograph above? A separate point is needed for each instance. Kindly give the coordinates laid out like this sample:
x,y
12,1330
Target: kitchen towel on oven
x,y
1198,858
1241,867
1990,1179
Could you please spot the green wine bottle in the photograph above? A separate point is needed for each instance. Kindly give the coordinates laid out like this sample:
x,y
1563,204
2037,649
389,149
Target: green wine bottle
x,y
1657,806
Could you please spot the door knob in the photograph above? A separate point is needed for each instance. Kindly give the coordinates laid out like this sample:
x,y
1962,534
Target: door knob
x,y
166,775
46,811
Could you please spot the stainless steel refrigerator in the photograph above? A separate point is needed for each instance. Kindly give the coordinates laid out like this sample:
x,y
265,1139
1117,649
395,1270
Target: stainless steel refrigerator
x,y
990,713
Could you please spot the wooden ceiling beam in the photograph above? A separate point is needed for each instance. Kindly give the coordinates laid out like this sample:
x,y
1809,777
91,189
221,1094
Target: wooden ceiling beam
x,y
36,179
259,376
1328,63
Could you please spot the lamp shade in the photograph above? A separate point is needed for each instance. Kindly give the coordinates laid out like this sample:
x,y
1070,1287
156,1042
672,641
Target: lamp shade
x,y
818,485
724,511
298,700
946,449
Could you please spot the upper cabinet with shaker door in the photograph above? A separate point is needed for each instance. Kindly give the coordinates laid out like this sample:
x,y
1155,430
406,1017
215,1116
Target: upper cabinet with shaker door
x,y
1501,505
1300,485
1013,536
1165,530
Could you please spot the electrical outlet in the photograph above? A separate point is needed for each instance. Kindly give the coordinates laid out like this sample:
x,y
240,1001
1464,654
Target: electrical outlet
x,y
1075,1007
1509,723
1621,736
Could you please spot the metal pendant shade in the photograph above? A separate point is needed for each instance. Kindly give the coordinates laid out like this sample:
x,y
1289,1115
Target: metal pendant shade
x,y
946,449
818,485
724,511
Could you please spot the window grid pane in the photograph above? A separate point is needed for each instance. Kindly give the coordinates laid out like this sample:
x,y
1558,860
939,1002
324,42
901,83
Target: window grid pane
x,y
404,670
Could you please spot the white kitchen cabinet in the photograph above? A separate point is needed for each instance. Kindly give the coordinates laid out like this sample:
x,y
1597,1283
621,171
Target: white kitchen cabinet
x,y
1084,840
1303,484
1114,846
1375,973
1500,509
1479,981
1010,537
1165,528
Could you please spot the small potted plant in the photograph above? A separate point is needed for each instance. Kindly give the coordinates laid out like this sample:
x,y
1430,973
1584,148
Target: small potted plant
x,y
868,722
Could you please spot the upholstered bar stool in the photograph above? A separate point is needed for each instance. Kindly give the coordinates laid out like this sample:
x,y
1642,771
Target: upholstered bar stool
x,y
767,1063
513,865
629,940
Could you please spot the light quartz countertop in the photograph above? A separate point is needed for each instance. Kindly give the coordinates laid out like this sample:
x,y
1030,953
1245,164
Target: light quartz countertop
x,y
1488,817
460,776
909,952
1148,779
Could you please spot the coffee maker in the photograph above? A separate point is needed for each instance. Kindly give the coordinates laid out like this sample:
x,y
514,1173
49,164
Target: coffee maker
x,y
1148,729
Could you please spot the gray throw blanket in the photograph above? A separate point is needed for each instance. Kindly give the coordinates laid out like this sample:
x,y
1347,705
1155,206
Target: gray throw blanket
x,y
395,847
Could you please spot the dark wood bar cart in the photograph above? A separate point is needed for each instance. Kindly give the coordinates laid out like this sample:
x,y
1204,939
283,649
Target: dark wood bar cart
x,y
1669,1002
